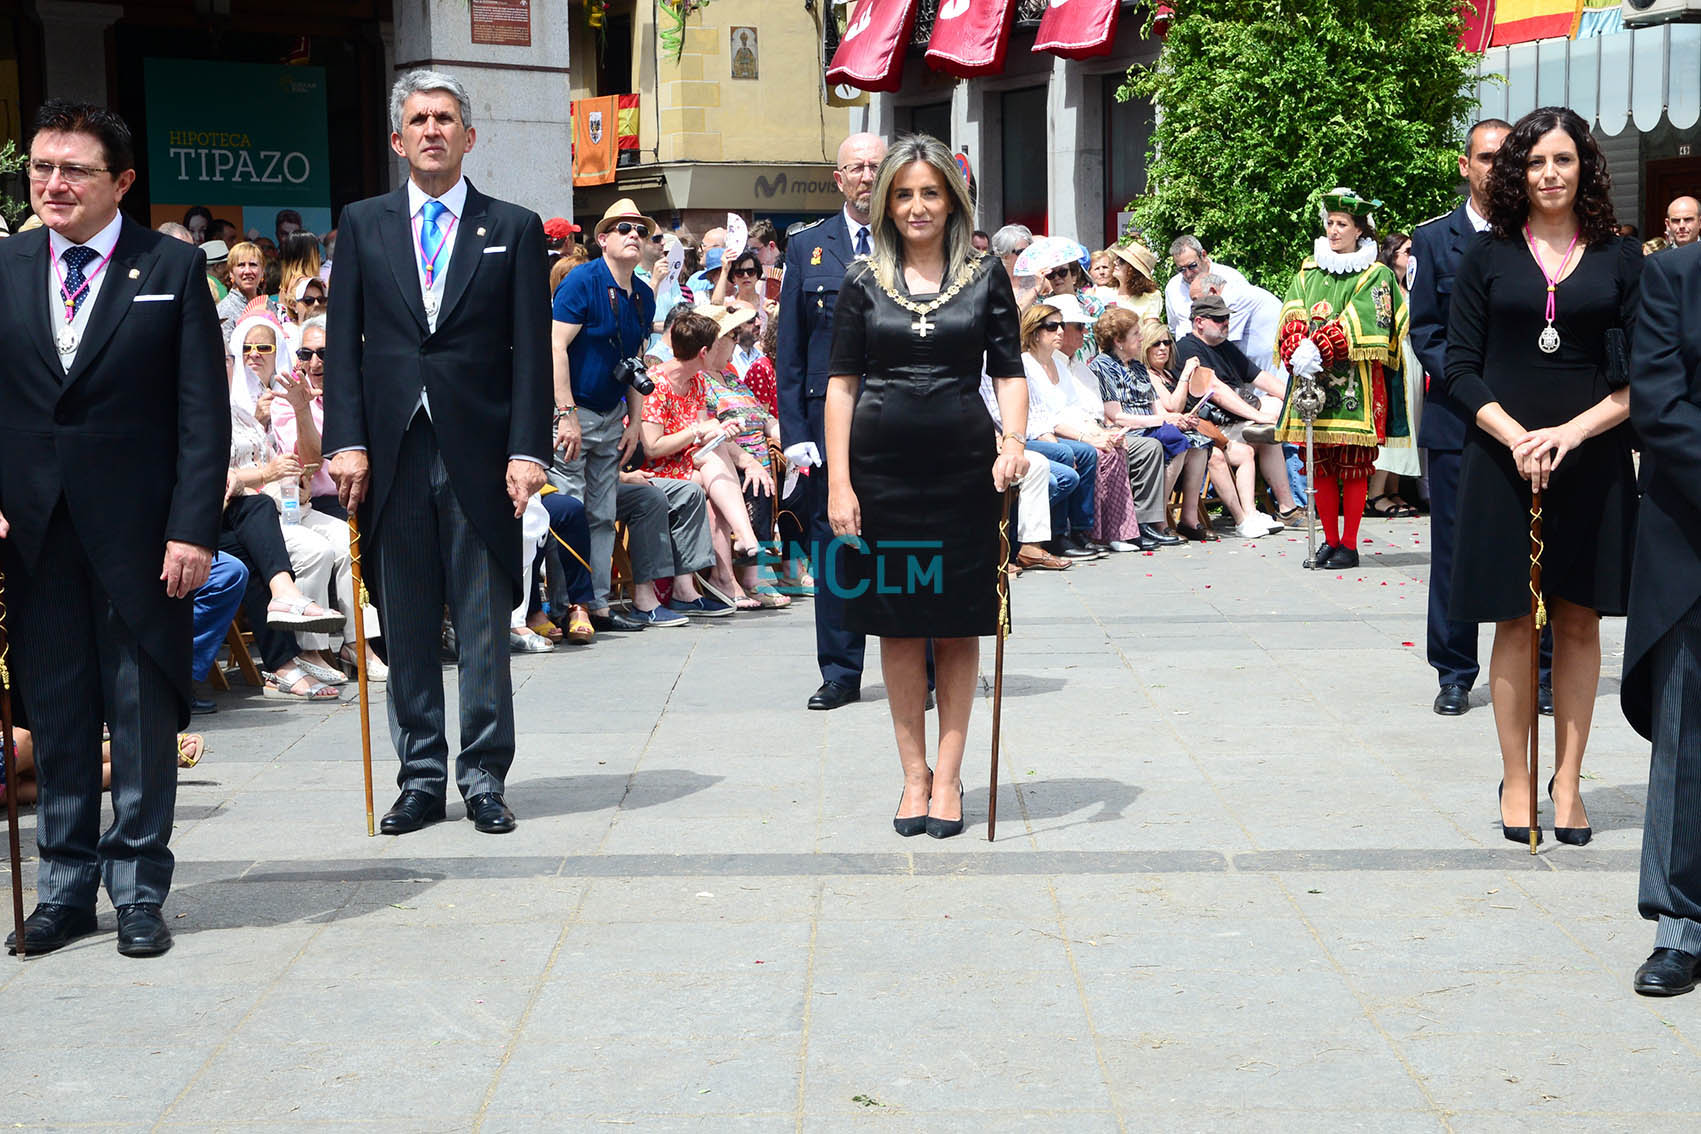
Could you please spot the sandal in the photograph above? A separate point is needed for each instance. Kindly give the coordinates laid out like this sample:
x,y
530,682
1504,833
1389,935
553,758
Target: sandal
x,y
191,746
322,673
302,615
316,690
546,628
770,599
376,672
747,603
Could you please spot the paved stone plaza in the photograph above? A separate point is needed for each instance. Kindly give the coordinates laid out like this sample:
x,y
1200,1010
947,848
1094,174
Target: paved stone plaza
x,y
1244,879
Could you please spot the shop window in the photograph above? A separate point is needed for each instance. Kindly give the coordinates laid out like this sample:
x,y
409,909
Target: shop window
x,y
932,118
1127,136
1023,135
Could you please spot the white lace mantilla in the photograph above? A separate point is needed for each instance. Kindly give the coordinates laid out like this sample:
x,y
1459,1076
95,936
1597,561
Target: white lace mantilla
x,y
1343,263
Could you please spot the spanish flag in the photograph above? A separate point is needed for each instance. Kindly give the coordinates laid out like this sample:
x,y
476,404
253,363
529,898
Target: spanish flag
x,y
1520,21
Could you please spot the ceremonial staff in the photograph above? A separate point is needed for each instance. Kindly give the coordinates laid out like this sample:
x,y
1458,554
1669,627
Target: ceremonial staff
x,y
998,656
1538,619
1308,401
360,600
11,770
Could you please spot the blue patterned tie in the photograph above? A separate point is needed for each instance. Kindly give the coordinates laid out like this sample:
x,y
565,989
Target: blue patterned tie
x,y
862,248
430,235
76,259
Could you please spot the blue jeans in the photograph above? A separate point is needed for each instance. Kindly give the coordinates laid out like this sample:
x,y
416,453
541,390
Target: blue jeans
x,y
216,602
567,520
1083,459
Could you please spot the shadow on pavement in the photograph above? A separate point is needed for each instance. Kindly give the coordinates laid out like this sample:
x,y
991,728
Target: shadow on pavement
x,y
573,795
1056,798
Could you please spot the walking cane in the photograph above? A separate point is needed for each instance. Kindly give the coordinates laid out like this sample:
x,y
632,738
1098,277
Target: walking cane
x,y
1538,619
998,656
360,601
1308,400
11,769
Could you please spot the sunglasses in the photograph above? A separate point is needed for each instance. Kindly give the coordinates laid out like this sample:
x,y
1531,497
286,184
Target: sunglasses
x,y
657,237
258,348
1223,319
751,272
1189,269
1051,325
1058,274
313,301
626,227
1161,343
306,353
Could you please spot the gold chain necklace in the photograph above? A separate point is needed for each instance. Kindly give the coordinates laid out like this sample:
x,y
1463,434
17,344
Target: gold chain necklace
x,y
921,327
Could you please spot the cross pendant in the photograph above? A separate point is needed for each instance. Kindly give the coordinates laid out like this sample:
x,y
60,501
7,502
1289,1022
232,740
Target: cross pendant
x,y
921,326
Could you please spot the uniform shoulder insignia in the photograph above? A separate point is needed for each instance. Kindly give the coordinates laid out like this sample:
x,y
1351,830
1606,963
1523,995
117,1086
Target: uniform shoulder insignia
x,y
803,226
1432,220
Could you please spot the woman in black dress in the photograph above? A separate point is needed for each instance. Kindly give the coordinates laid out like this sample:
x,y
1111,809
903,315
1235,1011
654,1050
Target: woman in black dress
x,y
915,467
1542,309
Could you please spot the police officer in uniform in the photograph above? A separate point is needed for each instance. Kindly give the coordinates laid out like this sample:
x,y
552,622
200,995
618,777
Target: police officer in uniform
x,y
816,258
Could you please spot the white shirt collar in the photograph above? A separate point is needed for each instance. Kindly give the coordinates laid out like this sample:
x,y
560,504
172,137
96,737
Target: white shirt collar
x,y
455,200
103,242
1478,221
855,226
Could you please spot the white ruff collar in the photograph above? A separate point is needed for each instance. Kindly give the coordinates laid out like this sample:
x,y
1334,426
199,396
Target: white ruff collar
x,y
1343,264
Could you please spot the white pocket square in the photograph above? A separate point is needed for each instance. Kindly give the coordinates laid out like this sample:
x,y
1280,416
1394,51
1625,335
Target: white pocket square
x,y
496,248
154,298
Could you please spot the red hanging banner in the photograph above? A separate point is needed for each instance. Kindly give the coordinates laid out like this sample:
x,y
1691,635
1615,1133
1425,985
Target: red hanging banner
x,y
871,53
1077,29
970,37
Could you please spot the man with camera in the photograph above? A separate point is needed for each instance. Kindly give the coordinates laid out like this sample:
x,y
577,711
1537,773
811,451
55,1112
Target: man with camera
x,y
603,314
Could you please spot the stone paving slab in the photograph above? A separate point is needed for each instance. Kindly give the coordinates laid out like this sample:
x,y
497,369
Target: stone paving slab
x,y
1244,880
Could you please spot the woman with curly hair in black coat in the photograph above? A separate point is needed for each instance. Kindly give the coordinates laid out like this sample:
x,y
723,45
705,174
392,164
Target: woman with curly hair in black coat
x,y
1543,306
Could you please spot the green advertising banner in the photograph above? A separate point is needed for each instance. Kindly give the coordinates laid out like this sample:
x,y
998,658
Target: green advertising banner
x,y
239,136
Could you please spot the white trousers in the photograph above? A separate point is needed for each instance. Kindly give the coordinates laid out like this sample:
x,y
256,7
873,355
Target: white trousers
x,y
534,529
330,536
1033,518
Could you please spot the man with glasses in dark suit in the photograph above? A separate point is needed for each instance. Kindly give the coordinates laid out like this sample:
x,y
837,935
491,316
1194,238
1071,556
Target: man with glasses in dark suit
x,y
113,365
438,418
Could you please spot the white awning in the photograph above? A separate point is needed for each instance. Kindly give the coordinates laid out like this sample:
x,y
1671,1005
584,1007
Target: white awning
x,y
1631,76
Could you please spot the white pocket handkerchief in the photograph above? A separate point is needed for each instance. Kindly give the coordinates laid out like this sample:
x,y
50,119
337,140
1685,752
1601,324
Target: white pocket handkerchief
x,y
154,298
496,248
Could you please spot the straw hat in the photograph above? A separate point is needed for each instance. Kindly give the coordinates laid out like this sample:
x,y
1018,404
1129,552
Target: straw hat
x,y
725,317
1138,257
625,209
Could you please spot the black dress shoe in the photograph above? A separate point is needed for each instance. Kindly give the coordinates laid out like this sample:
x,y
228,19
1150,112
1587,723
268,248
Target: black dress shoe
x,y
490,814
1453,701
908,826
202,706
1146,543
1343,558
1161,538
51,926
1667,972
946,828
1544,700
412,810
833,695
1200,534
616,620
1325,553
142,931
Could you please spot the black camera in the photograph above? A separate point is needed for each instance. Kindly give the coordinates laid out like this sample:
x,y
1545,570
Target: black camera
x,y
632,372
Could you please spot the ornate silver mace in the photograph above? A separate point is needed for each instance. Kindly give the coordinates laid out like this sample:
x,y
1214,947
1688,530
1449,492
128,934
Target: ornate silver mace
x,y
1308,401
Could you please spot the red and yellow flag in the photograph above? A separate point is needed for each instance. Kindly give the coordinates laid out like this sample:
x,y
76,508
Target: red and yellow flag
x,y
1520,21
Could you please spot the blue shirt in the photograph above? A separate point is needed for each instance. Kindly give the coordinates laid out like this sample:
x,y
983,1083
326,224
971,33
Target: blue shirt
x,y
582,298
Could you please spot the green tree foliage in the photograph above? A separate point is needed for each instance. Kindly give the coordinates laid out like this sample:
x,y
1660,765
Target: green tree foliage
x,y
1266,104
12,161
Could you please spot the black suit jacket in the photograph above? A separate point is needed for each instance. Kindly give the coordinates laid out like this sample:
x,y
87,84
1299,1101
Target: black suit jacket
x,y
487,366
135,438
1665,406
809,293
1438,246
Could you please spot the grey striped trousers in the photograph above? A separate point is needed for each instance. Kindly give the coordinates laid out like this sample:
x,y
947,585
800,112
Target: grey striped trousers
x,y
1671,833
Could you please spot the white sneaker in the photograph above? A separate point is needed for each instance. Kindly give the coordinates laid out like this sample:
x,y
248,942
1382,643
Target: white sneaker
x,y
1252,528
1270,522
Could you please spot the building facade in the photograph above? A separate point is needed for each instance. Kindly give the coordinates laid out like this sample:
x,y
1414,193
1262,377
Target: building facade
x,y
1090,160
250,107
730,113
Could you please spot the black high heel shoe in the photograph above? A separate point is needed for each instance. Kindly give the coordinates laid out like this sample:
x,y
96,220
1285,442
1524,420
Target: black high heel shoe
x,y
1570,836
945,828
1517,834
908,825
